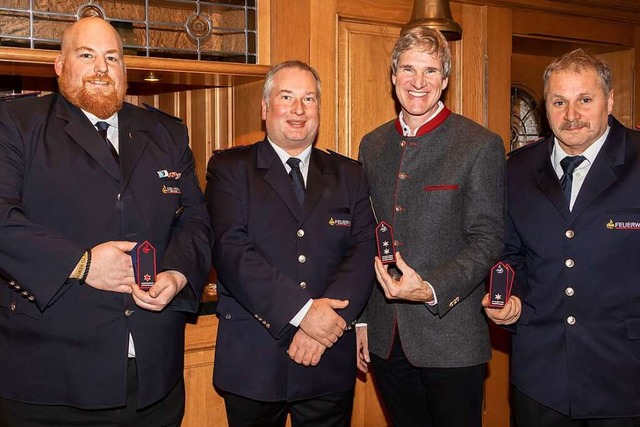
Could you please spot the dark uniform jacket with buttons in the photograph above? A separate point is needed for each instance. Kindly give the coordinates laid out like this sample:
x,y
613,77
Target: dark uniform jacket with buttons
x,y
61,192
272,255
576,346
442,191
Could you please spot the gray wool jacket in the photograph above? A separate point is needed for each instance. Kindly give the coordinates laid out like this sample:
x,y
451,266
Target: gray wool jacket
x,y
443,192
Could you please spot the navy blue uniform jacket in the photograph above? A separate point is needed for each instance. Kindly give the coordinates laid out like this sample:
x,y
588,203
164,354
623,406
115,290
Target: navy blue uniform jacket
x,y
60,193
272,255
576,346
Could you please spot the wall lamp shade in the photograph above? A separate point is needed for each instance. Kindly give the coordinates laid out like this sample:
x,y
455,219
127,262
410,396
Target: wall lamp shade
x,y
434,14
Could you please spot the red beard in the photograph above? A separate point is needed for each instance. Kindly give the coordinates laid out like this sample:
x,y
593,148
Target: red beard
x,y
103,104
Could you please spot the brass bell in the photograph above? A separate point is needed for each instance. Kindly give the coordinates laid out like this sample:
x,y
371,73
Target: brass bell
x,y
434,14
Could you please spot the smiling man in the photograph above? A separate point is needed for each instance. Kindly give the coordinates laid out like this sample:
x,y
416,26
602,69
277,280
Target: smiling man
x,y
80,342
437,178
572,236
294,232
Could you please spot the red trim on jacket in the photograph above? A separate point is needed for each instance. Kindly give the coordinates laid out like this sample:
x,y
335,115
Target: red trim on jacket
x,y
429,126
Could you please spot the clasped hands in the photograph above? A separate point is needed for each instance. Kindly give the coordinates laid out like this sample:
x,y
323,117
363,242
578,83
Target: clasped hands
x,y
320,328
112,270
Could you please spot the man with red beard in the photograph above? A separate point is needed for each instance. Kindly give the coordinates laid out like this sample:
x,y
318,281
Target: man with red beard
x,y
437,178
83,178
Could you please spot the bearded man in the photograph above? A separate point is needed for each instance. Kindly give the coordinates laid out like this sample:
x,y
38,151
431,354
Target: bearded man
x,y
83,178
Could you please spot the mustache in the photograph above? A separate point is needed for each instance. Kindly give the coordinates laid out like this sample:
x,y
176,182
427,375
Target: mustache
x,y
574,125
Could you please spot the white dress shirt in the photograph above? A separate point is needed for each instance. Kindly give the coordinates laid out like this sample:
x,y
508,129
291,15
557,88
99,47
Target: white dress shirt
x,y
582,170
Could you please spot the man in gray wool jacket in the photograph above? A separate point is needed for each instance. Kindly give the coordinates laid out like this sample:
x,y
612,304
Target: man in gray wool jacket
x,y
437,178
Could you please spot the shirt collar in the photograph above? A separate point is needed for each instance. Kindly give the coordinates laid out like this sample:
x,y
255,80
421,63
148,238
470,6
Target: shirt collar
x,y
284,156
113,120
590,153
407,131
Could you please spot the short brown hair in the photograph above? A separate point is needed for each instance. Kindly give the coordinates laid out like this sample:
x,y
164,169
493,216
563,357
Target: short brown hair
x,y
268,81
578,61
424,39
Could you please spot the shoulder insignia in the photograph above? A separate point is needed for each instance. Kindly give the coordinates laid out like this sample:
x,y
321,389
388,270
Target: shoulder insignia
x,y
334,153
526,146
13,96
157,110
230,149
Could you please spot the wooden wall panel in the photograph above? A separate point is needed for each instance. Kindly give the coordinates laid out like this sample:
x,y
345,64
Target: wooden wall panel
x,y
527,70
248,126
322,56
264,31
498,110
499,27
375,11
622,67
546,24
204,406
364,82
367,410
199,119
472,65
290,30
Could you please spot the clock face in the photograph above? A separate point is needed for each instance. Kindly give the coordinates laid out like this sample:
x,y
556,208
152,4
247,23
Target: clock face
x,y
526,125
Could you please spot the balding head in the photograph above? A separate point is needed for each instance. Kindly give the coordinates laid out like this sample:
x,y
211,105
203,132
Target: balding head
x,y
91,69
88,25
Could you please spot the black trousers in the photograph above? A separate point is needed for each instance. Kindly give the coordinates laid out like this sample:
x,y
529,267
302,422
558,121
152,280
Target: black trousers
x,y
331,410
166,413
531,413
429,397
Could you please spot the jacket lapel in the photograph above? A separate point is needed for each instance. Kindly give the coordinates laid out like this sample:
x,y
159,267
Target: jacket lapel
x,y
548,181
316,183
133,139
276,177
82,132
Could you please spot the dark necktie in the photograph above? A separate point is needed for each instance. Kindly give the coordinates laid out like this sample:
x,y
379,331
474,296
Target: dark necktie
x,y
102,130
296,178
569,164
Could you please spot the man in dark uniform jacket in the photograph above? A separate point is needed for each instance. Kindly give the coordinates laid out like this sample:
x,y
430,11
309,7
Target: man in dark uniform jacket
x,y
80,342
293,253
573,238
